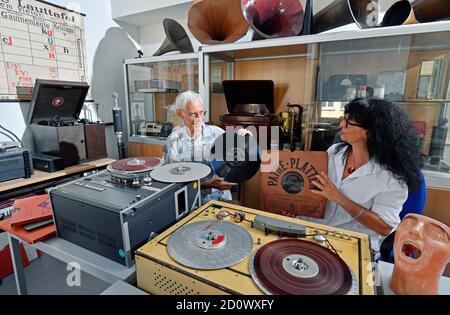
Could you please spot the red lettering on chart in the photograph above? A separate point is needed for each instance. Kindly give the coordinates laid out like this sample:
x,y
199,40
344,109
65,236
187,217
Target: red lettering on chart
x,y
7,40
50,33
51,56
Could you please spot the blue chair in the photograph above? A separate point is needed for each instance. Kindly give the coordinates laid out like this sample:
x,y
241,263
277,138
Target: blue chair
x,y
414,204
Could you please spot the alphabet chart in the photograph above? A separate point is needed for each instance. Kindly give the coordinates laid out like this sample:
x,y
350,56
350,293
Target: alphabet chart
x,y
39,40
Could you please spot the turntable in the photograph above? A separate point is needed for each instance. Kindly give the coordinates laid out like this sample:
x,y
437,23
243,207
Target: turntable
x,y
116,211
228,249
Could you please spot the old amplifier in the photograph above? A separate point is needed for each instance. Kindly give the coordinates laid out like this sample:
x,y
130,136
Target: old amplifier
x,y
115,215
15,163
228,249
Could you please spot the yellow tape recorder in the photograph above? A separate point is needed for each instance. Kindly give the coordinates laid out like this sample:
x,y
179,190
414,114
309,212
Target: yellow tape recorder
x,y
228,249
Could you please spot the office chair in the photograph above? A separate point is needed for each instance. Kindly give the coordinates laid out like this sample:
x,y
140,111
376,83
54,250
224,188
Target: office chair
x,y
415,203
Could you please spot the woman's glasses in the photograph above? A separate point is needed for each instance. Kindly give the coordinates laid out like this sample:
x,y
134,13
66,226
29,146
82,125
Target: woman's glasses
x,y
199,114
347,123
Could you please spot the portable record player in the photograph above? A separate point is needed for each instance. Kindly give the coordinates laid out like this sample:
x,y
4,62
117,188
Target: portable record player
x,y
228,249
116,211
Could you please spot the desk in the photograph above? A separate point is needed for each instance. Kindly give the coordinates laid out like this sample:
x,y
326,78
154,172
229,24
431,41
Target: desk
x,y
89,262
43,177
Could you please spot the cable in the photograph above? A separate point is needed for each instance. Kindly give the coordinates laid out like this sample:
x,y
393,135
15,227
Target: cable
x,y
12,133
7,135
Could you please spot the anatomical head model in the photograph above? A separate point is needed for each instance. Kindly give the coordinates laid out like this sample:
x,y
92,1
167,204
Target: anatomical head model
x,y
422,251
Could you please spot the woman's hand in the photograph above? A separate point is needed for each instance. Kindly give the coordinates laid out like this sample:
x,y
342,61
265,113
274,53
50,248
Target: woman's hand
x,y
242,132
327,188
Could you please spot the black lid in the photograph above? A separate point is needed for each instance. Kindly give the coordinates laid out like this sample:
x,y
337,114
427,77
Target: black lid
x,y
57,100
239,92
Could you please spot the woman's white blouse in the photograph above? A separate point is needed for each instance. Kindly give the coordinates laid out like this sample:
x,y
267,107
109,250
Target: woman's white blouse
x,y
371,187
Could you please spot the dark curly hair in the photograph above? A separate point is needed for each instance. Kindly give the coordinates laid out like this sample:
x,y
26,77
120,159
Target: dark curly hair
x,y
391,141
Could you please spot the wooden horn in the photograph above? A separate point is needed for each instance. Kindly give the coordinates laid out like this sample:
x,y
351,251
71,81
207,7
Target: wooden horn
x,y
431,10
217,21
274,18
341,12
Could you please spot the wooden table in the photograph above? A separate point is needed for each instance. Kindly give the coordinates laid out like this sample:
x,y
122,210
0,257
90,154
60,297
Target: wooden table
x,y
42,177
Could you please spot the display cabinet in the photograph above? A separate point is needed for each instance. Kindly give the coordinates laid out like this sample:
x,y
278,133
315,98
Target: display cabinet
x,y
152,85
407,64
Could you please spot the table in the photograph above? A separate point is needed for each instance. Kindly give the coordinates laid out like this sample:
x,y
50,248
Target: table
x,y
43,177
89,262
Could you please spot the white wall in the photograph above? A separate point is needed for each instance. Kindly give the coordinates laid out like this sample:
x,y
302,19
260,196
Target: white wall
x,y
104,66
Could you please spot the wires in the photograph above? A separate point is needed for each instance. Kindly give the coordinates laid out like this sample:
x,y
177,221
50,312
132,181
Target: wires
x,y
11,133
8,136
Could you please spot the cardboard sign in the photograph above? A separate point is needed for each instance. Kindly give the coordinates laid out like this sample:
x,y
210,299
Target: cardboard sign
x,y
287,188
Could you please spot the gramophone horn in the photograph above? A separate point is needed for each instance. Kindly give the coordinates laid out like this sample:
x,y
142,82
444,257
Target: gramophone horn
x,y
217,21
274,18
341,12
176,39
399,13
431,10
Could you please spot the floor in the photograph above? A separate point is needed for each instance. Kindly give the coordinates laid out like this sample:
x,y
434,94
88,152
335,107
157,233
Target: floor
x,y
47,276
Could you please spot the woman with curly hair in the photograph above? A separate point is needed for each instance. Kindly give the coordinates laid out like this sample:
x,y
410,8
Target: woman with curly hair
x,y
370,172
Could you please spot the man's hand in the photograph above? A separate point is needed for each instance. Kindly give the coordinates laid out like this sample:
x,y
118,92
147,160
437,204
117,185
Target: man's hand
x,y
242,132
217,183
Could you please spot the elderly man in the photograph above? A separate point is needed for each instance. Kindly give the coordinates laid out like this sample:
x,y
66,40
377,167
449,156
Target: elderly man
x,y
194,140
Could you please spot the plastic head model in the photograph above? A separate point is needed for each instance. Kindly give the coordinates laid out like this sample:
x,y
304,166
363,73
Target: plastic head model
x,y
422,251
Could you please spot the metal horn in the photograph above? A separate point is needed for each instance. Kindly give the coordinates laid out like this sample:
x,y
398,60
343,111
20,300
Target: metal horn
x,y
400,13
176,39
274,18
341,12
217,21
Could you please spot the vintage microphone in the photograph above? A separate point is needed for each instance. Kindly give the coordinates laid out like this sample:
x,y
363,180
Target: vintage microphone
x,y
118,127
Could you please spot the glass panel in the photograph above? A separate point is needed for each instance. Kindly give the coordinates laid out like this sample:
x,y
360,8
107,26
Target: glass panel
x,y
412,71
152,90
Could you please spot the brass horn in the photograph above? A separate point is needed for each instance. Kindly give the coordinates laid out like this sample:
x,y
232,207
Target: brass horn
x,y
274,18
341,12
217,21
420,11
399,13
176,39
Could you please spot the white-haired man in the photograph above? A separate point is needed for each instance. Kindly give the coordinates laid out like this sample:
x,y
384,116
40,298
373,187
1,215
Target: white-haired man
x,y
191,142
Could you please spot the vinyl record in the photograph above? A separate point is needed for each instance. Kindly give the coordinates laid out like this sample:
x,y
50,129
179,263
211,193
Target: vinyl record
x,y
135,165
293,266
210,245
236,158
180,172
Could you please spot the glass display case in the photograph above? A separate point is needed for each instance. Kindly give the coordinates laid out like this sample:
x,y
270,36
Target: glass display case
x,y
408,65
152,85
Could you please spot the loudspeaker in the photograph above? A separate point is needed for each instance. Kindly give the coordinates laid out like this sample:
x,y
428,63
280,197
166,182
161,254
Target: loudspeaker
x,y
176,39
215,22
341,12
273,18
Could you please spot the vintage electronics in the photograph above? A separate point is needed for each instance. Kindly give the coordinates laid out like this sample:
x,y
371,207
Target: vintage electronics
x,y
250,103
150,129
47,163
53,116
114,212
15,163
228,249
292,127
151,86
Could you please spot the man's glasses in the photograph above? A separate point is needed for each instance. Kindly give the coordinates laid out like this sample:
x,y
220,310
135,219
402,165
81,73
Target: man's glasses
x,y
200,114
347,123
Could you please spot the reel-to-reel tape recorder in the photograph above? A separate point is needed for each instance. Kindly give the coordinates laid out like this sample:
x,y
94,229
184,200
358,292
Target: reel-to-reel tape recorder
x,y
228,249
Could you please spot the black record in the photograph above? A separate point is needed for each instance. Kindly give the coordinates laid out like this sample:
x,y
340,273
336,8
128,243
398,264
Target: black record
x,y
298,267
236,158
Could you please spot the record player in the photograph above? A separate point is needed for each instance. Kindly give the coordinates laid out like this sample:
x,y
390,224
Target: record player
x,y
116,211
250,103
228,249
